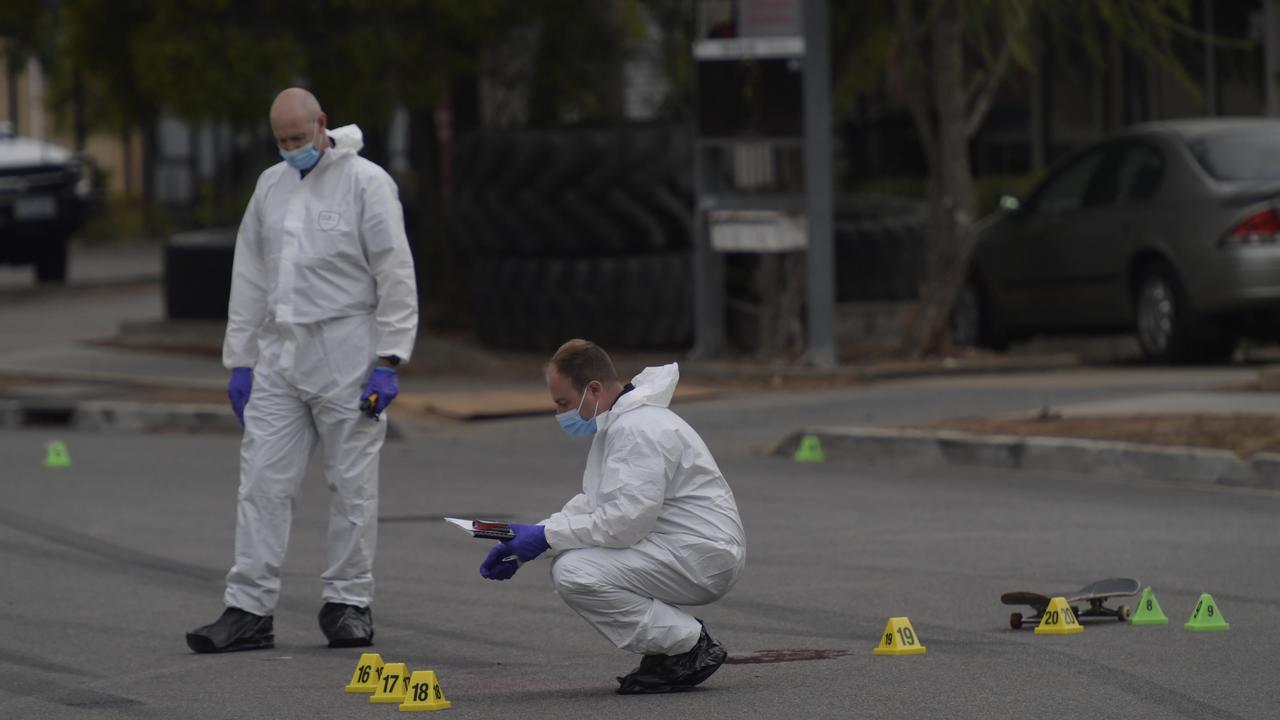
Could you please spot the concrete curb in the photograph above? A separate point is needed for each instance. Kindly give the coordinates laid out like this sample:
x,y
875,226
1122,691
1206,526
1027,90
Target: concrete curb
x,y
119,416
1093,457
10,414
871,372
126,416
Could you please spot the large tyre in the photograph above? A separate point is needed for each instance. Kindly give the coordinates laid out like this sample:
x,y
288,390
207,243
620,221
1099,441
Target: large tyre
x,y
635,302
197,274
617,191
1165,321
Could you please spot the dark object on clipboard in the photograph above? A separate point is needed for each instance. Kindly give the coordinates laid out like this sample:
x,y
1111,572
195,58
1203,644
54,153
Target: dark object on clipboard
x,y
485,529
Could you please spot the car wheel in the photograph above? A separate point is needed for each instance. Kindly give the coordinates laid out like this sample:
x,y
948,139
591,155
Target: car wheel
x,y
973,320
1163,319
1158,320
51,267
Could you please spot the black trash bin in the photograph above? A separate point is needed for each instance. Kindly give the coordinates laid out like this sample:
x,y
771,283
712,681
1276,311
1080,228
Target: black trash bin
x,y
197,274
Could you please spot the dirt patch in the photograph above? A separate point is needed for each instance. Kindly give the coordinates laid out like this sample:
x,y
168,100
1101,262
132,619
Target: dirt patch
x,y
1245,435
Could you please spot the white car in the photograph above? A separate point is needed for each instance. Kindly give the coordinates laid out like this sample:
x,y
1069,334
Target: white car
x,y
45,195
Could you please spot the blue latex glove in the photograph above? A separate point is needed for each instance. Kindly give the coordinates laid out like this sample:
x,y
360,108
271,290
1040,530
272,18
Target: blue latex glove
x,y
238,390
530,542
495,567
383,387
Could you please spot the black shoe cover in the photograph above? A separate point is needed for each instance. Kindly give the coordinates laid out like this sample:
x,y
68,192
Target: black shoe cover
x,y
675,673
235,630
346,625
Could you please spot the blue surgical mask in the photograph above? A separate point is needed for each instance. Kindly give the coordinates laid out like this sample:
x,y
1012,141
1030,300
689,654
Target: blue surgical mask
x,y
571,420
303,158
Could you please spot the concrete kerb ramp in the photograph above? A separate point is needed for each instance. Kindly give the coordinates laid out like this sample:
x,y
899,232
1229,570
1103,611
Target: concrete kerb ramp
x,y
125,416
10,414
1102,458
110,414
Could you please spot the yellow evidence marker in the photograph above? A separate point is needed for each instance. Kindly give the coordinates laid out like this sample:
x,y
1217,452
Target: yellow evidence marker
x,y
1058,619
899,639
393,685
367,674
424,693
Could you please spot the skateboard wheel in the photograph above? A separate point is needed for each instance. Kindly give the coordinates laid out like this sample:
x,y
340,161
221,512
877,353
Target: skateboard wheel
x,y
1015,620
1125,613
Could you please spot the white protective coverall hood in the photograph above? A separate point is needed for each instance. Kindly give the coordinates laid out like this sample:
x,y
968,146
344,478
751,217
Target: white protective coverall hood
x,y
323,284
655,526
321,247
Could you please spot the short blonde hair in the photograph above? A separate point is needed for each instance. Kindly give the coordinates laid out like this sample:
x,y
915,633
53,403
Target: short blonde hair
x,y
581,361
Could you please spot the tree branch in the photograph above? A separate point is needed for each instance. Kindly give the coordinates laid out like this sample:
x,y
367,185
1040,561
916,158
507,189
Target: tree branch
x,y
908,68
982,105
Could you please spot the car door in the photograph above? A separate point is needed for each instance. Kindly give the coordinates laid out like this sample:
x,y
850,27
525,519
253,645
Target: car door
x,y
1086,250
1093,259
1019,260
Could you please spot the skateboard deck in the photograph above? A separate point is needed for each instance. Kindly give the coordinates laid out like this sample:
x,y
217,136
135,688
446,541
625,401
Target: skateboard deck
x,y
1095,594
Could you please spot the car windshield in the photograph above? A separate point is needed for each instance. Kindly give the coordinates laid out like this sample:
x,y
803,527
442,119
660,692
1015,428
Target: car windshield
x,y
1235,155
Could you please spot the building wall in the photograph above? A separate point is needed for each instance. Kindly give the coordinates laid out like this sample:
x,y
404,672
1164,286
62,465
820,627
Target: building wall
x,y
120,160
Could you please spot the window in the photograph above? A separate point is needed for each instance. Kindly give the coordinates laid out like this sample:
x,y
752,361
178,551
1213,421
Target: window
x,y
1139,172
1066,190
1252,154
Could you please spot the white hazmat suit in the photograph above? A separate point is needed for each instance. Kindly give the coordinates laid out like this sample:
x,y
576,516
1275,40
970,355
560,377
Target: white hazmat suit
x,y
323,285
655,527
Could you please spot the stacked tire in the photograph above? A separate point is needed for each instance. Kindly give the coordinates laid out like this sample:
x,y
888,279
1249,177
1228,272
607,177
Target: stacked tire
x,y
576,233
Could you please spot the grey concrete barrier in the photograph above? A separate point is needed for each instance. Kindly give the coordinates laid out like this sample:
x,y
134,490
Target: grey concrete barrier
x,y
1105,458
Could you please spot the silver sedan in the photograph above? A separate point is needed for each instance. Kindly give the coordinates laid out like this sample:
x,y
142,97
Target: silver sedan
x,y
1169,230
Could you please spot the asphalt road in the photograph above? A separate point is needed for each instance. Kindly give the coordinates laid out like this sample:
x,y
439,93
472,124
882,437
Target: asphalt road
x,y
106,285
105,565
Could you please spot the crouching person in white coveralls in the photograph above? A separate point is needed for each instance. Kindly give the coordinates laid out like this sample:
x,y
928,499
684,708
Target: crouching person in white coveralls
x,y
655,528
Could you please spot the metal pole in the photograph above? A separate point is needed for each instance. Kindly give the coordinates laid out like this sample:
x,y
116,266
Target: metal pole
x,y
708,265
820,259
1271,46
708,276
1210,62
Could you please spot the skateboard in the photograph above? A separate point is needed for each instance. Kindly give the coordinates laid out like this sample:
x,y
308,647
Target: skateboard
x,y
1096,594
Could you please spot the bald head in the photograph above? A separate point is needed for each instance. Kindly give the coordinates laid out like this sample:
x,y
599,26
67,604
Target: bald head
x,y
296,119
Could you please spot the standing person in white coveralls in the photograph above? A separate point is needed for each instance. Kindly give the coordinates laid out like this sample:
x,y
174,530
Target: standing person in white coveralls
x,y
323,308
655,527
